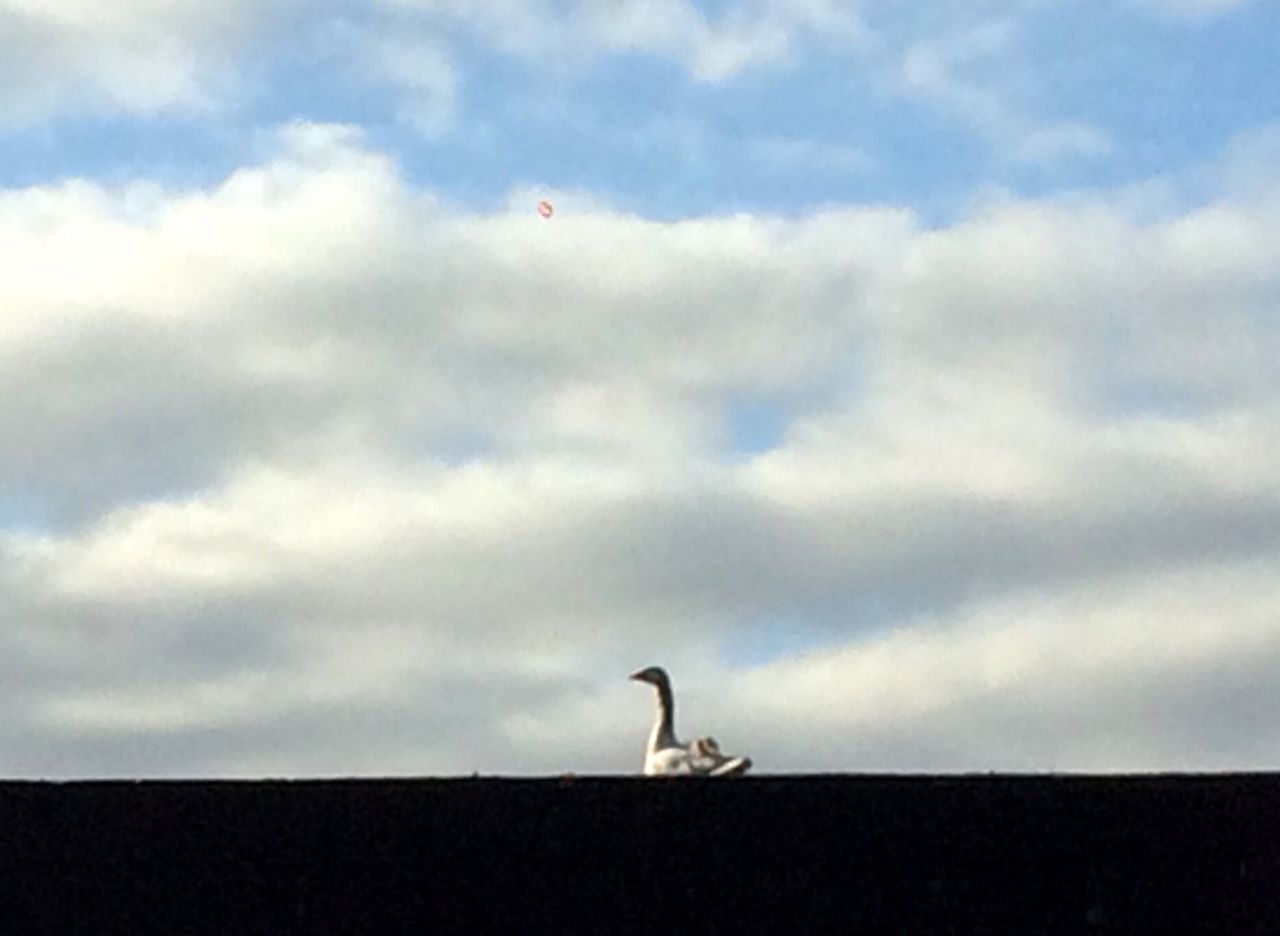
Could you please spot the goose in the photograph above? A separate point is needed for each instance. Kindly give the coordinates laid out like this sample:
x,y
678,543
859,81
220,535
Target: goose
x,y
665,756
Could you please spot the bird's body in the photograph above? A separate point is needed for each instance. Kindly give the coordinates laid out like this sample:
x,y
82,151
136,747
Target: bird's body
x,y
665,755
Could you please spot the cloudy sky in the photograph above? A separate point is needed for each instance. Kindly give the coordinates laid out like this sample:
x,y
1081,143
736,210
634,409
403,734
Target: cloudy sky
x,y
905,377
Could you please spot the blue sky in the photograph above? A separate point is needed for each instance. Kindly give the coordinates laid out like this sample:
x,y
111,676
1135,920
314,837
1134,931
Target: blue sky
x,y
903,377
924,109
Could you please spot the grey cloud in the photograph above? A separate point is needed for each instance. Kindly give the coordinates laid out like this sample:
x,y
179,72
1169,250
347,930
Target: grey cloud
x,y
271,556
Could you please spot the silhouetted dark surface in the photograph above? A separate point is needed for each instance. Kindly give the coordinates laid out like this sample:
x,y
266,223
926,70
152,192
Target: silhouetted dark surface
x,y
861,854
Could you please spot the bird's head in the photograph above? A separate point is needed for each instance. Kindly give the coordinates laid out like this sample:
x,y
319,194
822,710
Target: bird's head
x,y
653,675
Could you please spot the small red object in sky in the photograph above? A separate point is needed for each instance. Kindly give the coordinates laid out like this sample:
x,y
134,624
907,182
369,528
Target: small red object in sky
x,y
545,208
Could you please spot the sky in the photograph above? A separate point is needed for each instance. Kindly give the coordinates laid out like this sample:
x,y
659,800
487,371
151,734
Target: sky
x,y
904,378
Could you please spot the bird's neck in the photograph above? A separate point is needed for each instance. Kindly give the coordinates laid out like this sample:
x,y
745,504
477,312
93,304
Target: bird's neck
x,y
664,732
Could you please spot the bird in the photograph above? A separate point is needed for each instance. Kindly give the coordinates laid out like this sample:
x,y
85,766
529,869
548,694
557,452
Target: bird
x,y
666,756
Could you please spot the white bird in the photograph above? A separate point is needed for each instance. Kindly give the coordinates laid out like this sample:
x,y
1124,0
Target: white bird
x,y
667,756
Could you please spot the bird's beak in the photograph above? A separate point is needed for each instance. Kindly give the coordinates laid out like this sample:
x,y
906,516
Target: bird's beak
x,y
639,675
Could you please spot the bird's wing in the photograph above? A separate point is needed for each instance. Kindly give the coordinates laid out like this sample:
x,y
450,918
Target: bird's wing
x,y
705,758
731,767
672,761
696,760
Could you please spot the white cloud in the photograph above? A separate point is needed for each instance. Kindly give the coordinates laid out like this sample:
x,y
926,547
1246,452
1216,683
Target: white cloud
x,y
709,48
427,77
975,73
1065,140
330,460
141,56
1167,671
930,65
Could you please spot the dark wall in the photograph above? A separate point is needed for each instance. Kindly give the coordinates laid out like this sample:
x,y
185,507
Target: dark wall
x,y
877,854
